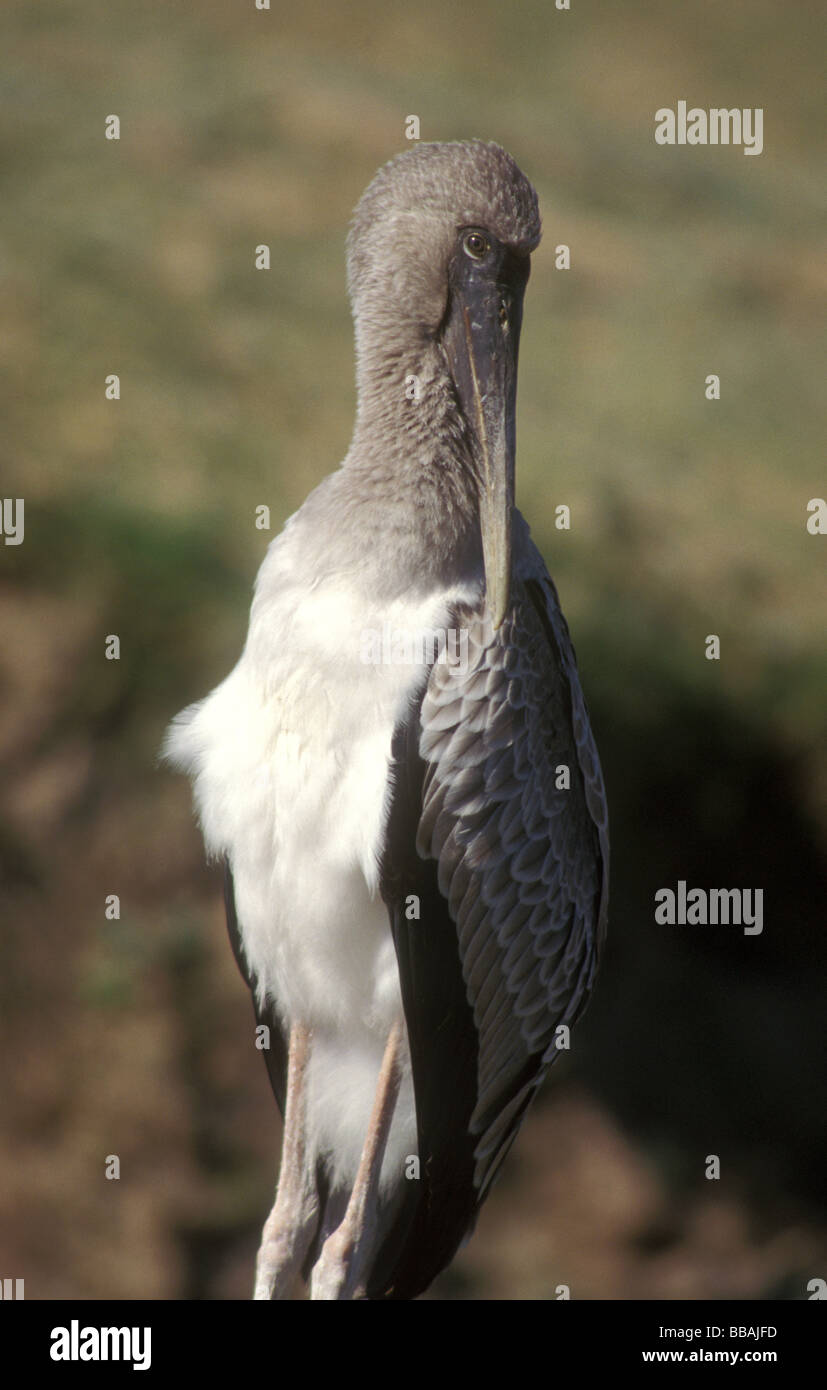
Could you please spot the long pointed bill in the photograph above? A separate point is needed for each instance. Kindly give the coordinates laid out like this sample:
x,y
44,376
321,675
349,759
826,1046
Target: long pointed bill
x,y
481,339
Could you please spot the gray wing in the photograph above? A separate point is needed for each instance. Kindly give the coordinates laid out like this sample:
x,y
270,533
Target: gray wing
x,y
522,858
509,868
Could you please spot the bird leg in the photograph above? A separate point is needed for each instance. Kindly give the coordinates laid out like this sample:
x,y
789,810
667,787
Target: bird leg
x,y
338,1271
291,1224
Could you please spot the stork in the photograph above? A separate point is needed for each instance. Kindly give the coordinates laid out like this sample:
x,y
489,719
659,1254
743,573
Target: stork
x,y
414,831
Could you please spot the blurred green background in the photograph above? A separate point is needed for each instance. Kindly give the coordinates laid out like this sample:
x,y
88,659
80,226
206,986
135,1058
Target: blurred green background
x,y
241,127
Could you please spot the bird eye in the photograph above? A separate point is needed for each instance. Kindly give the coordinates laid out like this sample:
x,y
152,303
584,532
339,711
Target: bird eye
x,y
476,245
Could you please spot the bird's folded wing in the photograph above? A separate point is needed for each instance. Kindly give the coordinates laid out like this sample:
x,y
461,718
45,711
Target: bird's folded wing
x,y
513,813
498,832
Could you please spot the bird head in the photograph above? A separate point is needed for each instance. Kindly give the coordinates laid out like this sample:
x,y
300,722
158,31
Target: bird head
x,y
438,260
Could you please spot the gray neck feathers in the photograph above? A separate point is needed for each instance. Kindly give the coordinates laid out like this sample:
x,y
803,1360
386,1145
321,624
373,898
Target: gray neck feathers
x,y
410,467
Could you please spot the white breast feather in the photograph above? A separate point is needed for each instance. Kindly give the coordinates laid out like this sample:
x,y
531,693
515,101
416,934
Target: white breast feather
x,y
289,758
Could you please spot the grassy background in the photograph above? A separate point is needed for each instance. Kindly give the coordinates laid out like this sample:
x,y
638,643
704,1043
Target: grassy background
x,y
688,517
